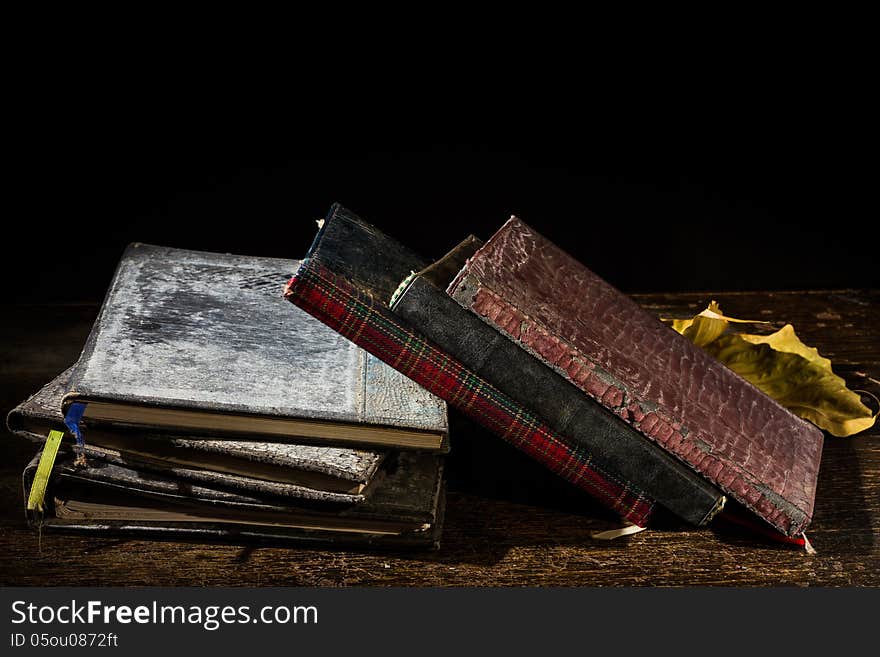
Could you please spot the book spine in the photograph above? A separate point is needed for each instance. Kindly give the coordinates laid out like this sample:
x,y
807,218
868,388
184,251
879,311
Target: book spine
x,y
565,408
375,328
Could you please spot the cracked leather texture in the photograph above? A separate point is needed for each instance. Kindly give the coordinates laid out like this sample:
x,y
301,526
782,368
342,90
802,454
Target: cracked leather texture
x,y
671,391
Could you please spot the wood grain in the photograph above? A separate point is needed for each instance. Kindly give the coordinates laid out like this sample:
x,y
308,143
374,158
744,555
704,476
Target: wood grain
x,y
508,522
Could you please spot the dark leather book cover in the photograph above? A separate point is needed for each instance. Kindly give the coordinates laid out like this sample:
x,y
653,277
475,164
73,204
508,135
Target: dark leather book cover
x,y
666,388
229,481
422,301
409,494
41,412
190,330
347,280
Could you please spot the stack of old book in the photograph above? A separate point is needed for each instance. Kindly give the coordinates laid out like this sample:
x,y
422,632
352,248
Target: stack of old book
x,y
244,409
204,405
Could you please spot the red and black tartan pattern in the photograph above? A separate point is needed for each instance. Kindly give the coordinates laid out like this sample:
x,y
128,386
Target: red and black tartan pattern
x,y
375,328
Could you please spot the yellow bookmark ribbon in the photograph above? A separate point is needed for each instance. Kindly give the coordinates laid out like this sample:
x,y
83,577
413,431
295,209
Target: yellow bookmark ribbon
x,y
44,469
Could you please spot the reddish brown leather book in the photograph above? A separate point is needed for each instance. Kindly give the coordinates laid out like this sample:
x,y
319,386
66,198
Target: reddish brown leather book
x,y
671,391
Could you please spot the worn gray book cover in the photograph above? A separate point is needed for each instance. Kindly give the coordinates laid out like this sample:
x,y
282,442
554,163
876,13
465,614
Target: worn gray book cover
x,y
337,472
103,497
211,333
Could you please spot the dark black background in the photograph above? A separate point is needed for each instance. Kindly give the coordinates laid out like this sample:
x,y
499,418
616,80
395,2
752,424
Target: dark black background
x,y
725,184
750,219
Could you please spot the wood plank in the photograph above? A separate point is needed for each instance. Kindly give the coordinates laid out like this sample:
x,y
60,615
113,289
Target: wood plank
x,y
508,521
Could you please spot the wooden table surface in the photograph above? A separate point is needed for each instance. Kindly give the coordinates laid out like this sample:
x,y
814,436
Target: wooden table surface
x,y
508,522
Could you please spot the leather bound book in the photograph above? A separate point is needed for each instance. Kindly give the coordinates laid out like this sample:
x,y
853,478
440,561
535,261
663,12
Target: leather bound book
x,y
422,301
666,388
404,508
347,280
194,343
297,488
337,474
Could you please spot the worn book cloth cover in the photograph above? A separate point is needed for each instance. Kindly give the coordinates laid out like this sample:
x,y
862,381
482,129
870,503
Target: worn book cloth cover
x,y
624,358
295,493
347,280
422,301
191,330
409,492
41,412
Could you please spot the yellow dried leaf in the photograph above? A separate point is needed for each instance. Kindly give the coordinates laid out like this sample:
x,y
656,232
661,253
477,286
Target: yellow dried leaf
x,y
784,368
706,326
786,340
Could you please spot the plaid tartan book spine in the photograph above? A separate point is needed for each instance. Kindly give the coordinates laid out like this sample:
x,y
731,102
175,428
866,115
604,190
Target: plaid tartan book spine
x,y
371,325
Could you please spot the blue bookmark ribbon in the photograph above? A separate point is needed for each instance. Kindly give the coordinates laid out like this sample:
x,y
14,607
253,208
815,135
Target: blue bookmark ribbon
x,y
72,419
